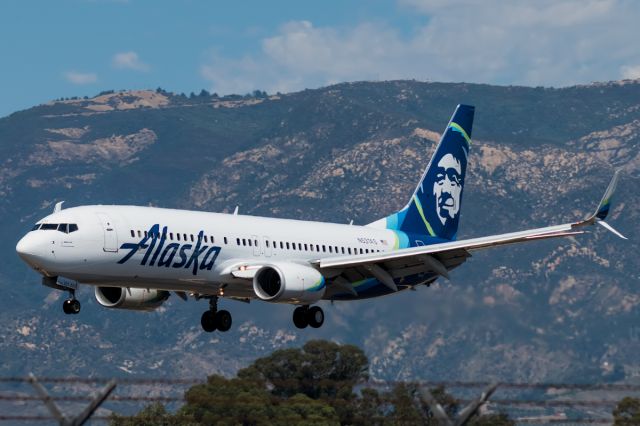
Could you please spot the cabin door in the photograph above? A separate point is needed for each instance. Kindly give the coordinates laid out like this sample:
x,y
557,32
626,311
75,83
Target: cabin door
x,y
110,235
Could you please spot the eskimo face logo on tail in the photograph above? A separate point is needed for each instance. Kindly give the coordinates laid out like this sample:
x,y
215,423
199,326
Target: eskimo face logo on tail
x,y
156,253
447,187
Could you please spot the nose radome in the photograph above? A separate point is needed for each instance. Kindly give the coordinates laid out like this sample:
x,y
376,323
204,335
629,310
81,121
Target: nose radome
x,y
26,249
23,246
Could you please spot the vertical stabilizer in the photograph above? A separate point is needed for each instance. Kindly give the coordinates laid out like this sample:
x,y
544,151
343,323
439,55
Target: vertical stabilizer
x,y
434,209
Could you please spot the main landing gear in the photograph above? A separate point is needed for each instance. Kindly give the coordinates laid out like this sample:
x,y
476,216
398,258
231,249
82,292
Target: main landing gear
x,y
305,315
213,319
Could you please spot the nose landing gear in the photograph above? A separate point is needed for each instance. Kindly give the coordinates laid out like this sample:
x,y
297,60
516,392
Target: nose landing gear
x,y
304,316
213,319
71,306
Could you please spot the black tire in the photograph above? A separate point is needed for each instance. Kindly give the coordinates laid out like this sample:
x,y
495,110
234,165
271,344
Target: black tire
x,y
223,320
66,307
74,305
315,316
208,321
300,317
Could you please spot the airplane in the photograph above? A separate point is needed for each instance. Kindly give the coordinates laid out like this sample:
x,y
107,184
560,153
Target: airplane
x,y
136,256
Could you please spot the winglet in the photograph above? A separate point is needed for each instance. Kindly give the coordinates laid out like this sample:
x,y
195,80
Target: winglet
x,y
603,208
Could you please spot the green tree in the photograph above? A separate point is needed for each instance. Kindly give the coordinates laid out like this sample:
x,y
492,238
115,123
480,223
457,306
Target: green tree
x,y
320,369
224,401
627,412
405,409
302,410
369,408
151,415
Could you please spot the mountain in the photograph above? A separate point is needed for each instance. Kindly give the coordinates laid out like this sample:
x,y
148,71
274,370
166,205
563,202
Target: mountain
x,y
563,310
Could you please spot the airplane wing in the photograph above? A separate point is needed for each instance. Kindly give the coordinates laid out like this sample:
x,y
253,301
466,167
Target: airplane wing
x,y
440,258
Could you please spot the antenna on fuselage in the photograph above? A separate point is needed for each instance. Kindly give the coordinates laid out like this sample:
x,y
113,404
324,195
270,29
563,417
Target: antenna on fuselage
x,y
235,212
58,206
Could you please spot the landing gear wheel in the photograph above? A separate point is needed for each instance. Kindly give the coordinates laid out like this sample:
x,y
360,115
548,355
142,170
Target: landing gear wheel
x,y
208,321
315,317
223,320
300,317
71,306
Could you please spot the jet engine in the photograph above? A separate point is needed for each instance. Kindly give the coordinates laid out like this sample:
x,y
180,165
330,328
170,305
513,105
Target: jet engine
x,y
288,283
136,299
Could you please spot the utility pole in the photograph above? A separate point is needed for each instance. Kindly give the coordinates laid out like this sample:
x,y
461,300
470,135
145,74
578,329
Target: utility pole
x,y
81,418
465,414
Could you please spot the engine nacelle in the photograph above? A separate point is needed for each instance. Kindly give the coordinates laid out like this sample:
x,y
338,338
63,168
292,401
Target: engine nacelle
x,y
288,282
136,299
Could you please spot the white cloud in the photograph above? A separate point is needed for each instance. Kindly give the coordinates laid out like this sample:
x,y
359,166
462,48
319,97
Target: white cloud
x,y
630,72
80,77
129,60
541,42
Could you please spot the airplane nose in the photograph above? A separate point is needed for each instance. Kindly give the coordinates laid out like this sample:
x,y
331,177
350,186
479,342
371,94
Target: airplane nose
x,y
27,250
22,248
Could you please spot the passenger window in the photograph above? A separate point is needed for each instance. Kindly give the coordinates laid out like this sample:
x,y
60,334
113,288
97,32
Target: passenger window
x,y
305,247
336,249
267,243
255,243
287,246
133,234
318,248
342,250
211,239
178,236
146,235
139,234
330,249
361,251
349,250
184,236
311,247
225,240
300,246
249,243
281,246
205,239
324,249
191,237
244,241
238,241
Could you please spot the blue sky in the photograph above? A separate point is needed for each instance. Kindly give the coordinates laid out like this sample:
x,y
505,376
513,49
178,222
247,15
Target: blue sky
x,y
65,48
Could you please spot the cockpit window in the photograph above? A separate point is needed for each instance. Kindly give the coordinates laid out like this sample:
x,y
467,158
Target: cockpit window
x,y
67,228
35,227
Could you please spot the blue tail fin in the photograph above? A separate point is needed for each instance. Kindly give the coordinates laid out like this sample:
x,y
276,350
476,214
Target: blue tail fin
x,y
434,209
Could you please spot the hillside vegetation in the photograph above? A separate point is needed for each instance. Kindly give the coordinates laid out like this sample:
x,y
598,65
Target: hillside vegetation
x,y
545,311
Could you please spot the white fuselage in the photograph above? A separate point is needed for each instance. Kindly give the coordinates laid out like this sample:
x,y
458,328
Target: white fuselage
x,y
109,246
